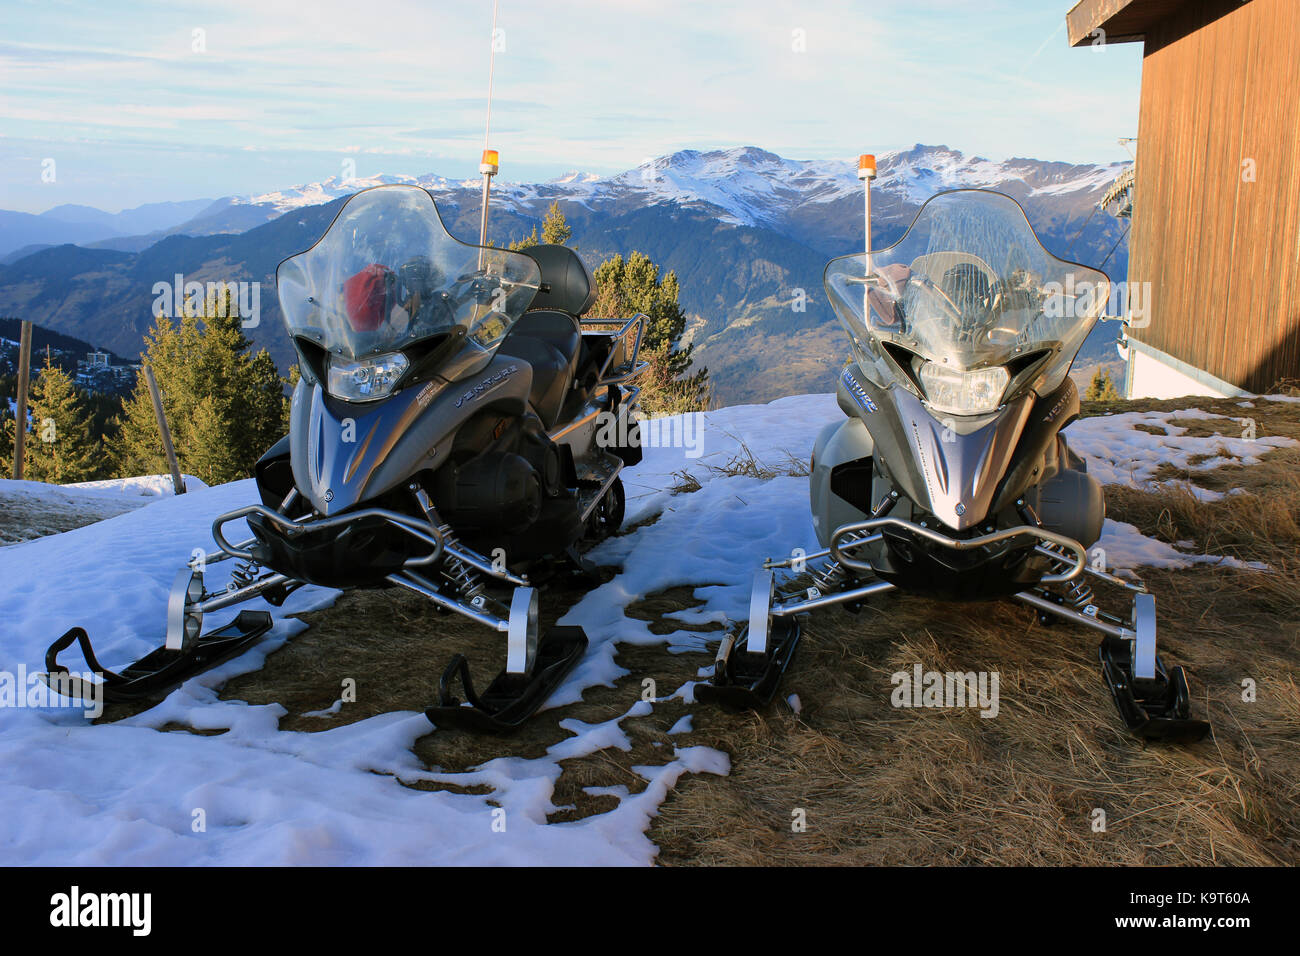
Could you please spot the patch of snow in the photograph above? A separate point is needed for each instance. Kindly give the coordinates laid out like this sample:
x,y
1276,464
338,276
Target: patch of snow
x,y
1125,548
148,486
1119,453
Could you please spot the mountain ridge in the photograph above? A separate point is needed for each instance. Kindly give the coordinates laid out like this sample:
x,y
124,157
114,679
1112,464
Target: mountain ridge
x,y
747,231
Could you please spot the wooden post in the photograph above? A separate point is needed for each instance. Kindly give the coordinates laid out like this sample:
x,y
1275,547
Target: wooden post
x,y
24,380
177,482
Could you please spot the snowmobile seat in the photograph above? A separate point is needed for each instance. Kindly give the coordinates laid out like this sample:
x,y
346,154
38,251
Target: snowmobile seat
x,y
549,341
567,285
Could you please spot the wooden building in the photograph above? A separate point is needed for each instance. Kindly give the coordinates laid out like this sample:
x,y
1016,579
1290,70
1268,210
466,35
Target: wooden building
x,y
1216,199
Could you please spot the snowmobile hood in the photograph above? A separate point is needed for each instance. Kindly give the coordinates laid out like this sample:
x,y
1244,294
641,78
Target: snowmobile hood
x,y
956,468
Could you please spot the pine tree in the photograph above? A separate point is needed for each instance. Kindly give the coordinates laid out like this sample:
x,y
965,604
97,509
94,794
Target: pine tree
x,y
224,406
59,447
520,244
1102,388
555,228
628,286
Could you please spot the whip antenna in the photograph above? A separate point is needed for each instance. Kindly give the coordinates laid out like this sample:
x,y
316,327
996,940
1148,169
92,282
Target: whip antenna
x,y
866,173
490,162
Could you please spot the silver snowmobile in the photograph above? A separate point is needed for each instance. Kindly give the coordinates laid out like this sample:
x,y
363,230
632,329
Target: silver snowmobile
x,y
443,439
950,476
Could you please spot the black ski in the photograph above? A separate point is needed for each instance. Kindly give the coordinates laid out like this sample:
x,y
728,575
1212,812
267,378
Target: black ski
x,y
511,698
160,671
1158,709
745,681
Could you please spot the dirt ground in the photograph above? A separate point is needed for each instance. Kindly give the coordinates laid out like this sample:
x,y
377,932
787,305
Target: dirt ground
x,y
24,516
847,778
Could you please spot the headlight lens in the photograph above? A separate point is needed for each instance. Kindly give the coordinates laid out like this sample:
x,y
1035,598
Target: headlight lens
x,y
963,393
367,379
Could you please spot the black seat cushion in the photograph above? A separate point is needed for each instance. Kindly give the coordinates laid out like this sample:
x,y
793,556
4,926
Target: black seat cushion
x,y
549,342
569,286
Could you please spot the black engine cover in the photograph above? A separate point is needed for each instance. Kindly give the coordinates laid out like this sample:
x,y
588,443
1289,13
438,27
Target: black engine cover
x,y
495,490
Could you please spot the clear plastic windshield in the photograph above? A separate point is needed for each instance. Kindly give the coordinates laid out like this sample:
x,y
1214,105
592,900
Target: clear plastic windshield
x,y
969,286
387,274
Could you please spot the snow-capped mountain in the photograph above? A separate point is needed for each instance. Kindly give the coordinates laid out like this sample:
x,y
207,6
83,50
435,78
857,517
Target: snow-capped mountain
x,y
747,232
746,186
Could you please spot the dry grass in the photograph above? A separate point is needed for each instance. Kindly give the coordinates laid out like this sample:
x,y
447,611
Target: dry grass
x,y
743,462
881,785
684,483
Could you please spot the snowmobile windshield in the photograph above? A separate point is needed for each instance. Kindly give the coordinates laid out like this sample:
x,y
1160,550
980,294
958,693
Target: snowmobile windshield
x,y
969,287
387,274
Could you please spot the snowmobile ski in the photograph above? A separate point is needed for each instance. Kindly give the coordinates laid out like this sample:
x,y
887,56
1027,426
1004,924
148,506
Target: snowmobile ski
x,y
747,681
1154,709
158,672
511,698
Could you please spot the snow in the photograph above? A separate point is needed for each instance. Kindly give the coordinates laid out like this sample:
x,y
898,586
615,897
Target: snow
x,y
133,792
1119,453
147,486
1125,548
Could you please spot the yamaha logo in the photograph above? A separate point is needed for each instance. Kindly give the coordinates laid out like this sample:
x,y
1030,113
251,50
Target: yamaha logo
x,y
329,494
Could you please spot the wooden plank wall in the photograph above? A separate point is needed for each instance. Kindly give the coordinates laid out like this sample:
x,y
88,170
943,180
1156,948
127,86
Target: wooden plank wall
x,y
1221,85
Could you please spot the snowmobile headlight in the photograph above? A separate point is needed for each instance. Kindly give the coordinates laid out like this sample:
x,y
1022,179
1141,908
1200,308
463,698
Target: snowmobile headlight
x,y
367,379
963,393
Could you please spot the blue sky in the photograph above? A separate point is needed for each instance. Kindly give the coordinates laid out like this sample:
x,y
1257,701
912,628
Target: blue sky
x,y
282,93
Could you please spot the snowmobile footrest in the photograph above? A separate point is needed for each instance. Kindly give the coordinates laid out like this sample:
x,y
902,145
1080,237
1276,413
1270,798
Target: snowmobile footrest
x,y
745,681
1158,709
511,698
159,671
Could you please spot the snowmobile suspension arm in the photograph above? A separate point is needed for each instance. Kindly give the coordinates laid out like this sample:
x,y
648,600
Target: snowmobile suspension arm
x,y
839,597
220,599
421,587
1075,550
1087,620
452,548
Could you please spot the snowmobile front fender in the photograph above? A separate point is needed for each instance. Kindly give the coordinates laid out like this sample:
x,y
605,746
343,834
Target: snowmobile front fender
x,y
841,477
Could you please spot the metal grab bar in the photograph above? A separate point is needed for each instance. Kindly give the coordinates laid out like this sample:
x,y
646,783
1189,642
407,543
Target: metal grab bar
x,y
960,544
769,564
639,320
1138,588
292,526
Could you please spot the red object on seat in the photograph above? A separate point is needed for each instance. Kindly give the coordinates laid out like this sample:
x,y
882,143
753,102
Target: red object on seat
x,y
365,296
